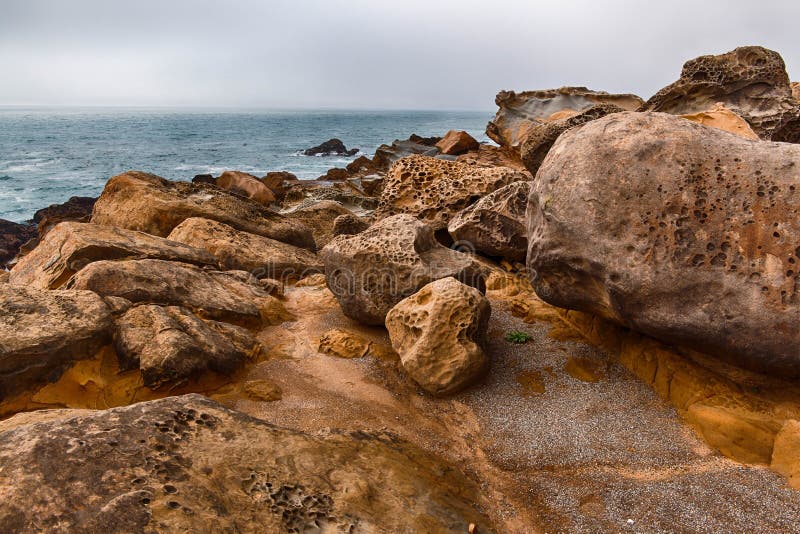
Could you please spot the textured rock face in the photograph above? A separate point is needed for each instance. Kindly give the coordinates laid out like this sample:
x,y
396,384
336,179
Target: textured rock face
x,y
518,113
372,271
261,256
71,246
541,137
385,155
75,209
721,117
679,231
750,80
438,333
232,296
171,344
348,224
495,225
186,464
145,202
795,90
12,237
456,142
246,185
43,332
319,217
435,190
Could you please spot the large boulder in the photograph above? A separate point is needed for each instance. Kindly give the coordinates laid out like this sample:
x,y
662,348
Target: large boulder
x,y
435,190
541,137
12,237
750,80
44,332
456,142
495,225
232,296
683,232
518,113
187,464
71,246
246,185
171,344
438,333
372,271
261,256
145,202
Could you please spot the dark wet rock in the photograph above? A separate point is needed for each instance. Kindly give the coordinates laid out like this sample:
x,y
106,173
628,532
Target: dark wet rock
x,y
204,179
331,147
75,209
12,237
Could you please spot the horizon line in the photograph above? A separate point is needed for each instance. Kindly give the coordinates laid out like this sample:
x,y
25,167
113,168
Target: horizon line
x,y
233,108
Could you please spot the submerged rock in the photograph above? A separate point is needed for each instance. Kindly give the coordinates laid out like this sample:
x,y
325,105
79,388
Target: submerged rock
x,y
435,190
438,333
44,332
186,464
683,232
71,246
145,202
370,272
331,147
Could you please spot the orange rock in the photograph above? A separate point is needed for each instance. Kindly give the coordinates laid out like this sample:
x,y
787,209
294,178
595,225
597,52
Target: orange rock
x,y
457,142
246,185
721,117
786,452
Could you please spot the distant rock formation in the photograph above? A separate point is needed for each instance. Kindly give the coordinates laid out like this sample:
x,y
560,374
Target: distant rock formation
x,y
331,147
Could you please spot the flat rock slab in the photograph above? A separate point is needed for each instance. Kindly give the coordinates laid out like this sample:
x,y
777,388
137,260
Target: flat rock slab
x,y
186,464
43,332
71,246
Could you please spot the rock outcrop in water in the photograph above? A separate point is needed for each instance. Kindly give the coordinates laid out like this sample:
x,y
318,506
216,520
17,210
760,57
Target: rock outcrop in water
x,y
331,147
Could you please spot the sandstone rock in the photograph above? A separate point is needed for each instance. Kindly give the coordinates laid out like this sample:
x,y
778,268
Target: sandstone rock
x,y
246,185
331,147
144,202
348,224
362,164
343,343
261,256
751,81
12,237
43,332
372,184
438,333
309,192
186,464
278,182
370,272
204,179
335,174
721,117
386,155
71,246
786,452
171,344
456,142
232,296
435,190
75,209
494,156
4,277
319,216
495,225
518,113
682,232
795,90
540,137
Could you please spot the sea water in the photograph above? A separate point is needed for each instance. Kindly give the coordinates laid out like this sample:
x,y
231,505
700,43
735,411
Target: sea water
x,y
49,155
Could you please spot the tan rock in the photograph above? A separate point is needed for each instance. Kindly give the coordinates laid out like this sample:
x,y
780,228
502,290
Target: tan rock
x,y
278,182
70,246
343,343
44,332
518,113
232,296
786,452
145,202
438,333
795,90
721,117
262,390
495,225
186,464
259,255
171,344
349,224
457,142
435,190
320,217
372,271
246,185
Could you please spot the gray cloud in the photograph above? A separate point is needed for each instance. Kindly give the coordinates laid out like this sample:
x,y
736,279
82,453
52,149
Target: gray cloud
x,y
413,54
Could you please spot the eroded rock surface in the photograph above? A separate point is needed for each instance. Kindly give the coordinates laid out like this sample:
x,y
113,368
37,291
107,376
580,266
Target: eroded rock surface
x,y
12,237
372,271
233,296
259,255
495,225
438,333
145,202
721,117
456,142
246,185
43,332
171,344
683,232
186,464
71,246
348,224
518,113
750,80
75,209
435,190
319,216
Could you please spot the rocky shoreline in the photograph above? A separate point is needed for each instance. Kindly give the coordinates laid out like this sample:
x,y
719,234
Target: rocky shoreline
x,y
591,325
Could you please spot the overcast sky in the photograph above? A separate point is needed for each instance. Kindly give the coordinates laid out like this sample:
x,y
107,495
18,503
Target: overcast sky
x,y
408,54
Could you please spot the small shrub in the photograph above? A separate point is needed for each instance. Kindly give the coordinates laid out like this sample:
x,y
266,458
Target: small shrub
x,y
515,336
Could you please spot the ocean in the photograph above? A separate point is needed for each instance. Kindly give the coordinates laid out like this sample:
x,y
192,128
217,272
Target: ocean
x,y
49,155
